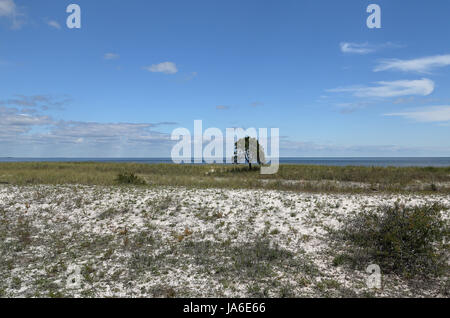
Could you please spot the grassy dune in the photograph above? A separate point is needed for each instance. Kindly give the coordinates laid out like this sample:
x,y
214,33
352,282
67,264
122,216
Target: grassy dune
x,y
132,231
289,177
134,241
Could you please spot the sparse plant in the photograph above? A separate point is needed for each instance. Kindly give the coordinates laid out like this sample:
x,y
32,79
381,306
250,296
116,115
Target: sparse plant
x,y
409,241
110,213
24,231
129,178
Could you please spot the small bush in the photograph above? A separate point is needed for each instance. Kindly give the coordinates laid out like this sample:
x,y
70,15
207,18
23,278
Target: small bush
x,y
129,178
408,241
341,259
110,213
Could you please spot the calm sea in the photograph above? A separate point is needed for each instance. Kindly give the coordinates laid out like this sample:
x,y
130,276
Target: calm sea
x,y
328,161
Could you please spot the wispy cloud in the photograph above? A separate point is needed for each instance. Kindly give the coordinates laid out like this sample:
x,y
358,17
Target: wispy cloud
x,y
365,48
420,65
385,89
14,122
256,104
191,76
347,108
293,148
222,107
21,132
9,10
430,114
357,48
100,131
111,56
164,67
22,113
54,24
44,102
404,100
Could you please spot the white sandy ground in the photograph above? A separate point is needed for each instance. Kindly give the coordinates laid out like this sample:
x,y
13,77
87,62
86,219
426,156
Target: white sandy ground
x,y
140,248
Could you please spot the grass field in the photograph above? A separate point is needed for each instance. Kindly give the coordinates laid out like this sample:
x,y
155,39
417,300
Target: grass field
x,y
289,177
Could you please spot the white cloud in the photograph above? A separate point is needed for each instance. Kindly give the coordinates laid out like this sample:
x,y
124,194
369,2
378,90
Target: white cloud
x,y
357,48
14,122
111,56
42,101
165,67
54,24
384,89
291,148
99,130
23,132
364,48
347,108
7,8
428,115
420,65
191,76
404,100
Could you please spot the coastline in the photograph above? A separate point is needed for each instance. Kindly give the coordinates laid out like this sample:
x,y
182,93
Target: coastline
x,y
327,161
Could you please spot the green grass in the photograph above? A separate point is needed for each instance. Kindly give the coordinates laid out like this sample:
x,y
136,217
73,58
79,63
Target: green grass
x,y
289,177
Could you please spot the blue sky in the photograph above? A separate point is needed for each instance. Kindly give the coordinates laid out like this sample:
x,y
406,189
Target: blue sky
x,y
138,69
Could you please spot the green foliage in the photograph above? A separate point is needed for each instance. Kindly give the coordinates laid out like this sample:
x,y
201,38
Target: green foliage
x,y
248,150
341,259
409,241
110,213
129,178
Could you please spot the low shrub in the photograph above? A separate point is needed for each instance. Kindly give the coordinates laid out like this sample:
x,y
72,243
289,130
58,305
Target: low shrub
x,y
409,241
129,178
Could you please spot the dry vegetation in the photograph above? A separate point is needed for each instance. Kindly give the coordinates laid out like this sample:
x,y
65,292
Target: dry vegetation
x,y
138,230
289,177
134,241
